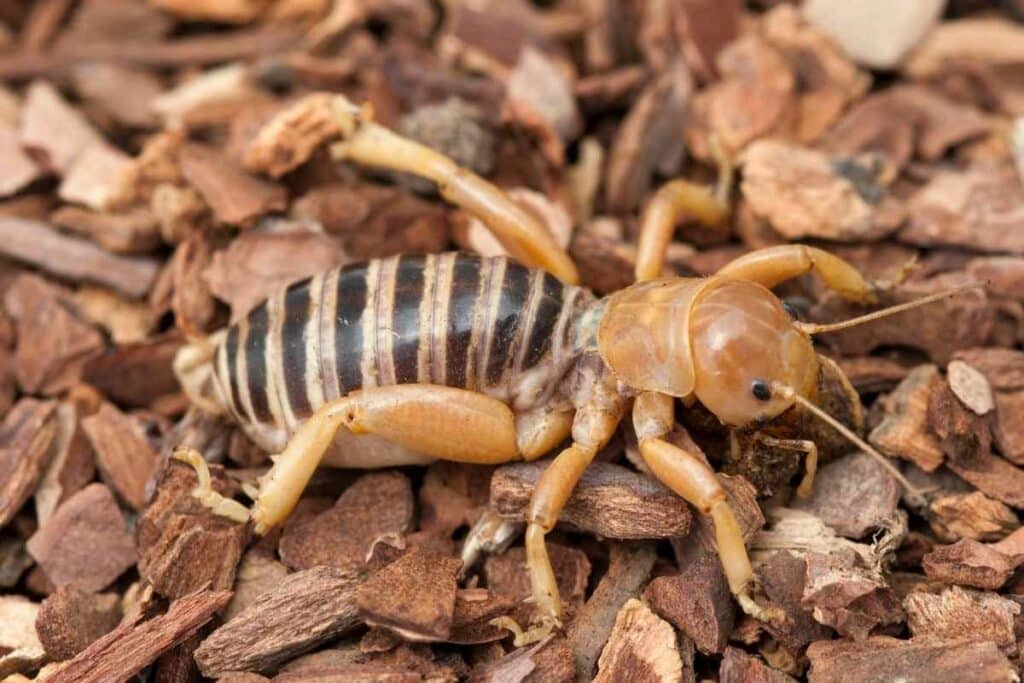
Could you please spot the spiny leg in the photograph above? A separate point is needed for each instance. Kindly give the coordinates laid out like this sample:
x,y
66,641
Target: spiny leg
x,y
442,422
690,477
810,450
772,265
663,211
593,426
368,143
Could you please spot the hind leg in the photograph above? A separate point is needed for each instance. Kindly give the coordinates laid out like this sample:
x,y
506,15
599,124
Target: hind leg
x,y
437,421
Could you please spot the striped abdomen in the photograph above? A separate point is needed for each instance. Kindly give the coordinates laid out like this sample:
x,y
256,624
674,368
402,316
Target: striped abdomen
x,y
485,324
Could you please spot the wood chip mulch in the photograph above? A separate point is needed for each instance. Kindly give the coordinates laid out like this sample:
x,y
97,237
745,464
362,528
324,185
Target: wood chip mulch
x,y
164,167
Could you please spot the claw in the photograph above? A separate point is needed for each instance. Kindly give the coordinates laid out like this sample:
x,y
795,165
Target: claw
x,y
768,615
532,635
204,493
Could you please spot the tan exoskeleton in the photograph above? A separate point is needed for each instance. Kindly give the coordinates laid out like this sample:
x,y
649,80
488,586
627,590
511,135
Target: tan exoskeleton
x,y
460,358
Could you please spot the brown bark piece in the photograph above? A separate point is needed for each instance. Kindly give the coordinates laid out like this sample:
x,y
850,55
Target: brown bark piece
x,y
19,644
71,619
647,140
27,440
993,476
174,485
53,127
126,321
939,329
783,577
53,344
131,232
883,658
134,645
904,120
258,573
236,197
959,614
1004,370
72,468
970,515
376,506
966,441
85,541
139,50
136,375
609,501
375,221
73,258
124,93
95,178
803,193
414,596
507,573
17,168
977,209
847,595
256,264
872,374
549,661
903,432
291,137
305,609
740,667
628,569
123,454
754,97
540,97
968,563
194,552
852,495
697,601
641,647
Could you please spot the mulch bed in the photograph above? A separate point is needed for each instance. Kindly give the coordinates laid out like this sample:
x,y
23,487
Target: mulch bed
x,y
165,165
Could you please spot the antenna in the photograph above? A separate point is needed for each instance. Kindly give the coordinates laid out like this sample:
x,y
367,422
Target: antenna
x,y
913,493
815,328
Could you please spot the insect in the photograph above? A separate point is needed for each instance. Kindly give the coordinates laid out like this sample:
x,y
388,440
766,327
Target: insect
x,y
483,360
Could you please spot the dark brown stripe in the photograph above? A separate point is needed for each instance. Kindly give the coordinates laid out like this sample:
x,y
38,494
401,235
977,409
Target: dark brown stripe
x,y
231,351
348,327
515,290
293,347
538,342
461,312
405,318
256,362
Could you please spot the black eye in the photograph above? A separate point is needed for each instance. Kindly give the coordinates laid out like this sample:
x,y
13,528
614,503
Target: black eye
x,y
760,389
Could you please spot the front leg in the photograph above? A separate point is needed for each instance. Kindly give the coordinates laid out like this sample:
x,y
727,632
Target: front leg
x,y
810,451
689,476
772,265
443,422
